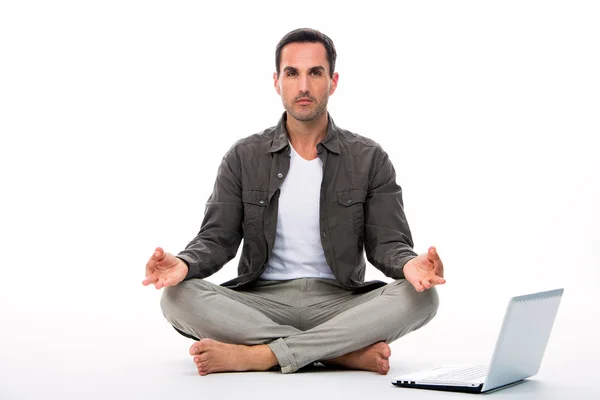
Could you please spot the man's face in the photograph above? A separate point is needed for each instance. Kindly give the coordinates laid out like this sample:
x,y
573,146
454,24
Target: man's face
x,y
304,83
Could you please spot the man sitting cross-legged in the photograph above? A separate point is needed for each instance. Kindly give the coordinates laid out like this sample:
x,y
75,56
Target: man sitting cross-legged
x,y
309,200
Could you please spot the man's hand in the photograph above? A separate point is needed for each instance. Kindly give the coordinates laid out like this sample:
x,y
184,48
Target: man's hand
x,y
425,271
164,269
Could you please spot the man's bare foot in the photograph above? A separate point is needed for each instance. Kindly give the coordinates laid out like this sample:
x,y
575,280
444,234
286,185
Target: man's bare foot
x,y
212,356
375,357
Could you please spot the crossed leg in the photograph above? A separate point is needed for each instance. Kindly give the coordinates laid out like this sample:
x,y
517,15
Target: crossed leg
x,y
344,329
213,356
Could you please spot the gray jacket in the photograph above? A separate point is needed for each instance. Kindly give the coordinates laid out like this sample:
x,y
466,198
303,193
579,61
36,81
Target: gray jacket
x,y
361,209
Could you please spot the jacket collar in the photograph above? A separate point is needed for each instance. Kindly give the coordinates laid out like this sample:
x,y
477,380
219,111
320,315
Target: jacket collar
x,y
280,136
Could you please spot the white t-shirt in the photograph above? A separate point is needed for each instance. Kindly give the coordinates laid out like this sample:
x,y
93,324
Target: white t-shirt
x,y
297,252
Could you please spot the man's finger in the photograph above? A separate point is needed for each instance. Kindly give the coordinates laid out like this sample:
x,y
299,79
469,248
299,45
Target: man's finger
x,y
432,254
437,280
156,257
438,268
434,257
159,254
150,264
426,284
418,287
150,280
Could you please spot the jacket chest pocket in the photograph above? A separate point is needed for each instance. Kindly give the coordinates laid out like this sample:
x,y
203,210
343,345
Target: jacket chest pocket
x,y
351,203
255,204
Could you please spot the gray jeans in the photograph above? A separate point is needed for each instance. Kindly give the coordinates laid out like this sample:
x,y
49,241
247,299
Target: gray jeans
x,y
301,320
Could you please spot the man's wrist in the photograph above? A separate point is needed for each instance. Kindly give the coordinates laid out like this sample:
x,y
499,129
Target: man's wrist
x,y
407,262
181,260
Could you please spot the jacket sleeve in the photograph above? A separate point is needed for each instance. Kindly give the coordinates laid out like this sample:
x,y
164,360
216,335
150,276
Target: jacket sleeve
x,y
388,241
221,230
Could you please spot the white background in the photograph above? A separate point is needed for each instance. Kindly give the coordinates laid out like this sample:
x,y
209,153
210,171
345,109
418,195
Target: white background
x,y
114,116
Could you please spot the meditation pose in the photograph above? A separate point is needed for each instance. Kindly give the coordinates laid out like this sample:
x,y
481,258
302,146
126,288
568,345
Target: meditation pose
x,y
309,201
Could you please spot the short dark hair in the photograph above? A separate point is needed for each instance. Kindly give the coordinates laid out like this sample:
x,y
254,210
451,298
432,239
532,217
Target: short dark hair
x,y
307,35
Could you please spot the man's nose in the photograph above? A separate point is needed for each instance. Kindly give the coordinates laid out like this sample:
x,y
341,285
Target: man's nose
x,y
303,83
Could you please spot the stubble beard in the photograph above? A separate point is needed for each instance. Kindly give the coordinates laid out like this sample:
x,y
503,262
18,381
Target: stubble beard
x,y
306,114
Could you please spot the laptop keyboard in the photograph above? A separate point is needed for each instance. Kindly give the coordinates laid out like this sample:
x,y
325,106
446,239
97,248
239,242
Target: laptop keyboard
x,y
460,375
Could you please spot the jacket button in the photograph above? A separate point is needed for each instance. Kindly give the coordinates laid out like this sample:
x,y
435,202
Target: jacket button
x,y
349,201
262,202
324,234
280,175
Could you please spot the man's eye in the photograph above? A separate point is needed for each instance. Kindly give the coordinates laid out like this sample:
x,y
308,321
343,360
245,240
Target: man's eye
x,y
317,73
291,73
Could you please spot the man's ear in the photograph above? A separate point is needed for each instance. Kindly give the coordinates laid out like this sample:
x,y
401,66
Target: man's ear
x,y
276,83
334,83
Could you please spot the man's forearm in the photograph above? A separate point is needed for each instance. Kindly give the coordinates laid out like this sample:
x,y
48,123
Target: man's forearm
x,y
390,258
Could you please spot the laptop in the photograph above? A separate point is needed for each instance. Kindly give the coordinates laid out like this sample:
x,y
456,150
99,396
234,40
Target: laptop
x,y
518,353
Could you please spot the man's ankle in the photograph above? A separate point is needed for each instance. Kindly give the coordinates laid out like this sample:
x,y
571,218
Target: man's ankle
x,y
262,356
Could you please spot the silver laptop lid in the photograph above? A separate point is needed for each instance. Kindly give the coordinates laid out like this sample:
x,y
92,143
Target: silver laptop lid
x,y
523,338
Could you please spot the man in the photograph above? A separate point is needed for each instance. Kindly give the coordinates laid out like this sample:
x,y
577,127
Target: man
x,y
308,199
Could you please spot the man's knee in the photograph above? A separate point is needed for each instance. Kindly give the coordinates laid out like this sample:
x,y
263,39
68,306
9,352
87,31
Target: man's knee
x,y
425,303
179,304
175,299
430,301
414,309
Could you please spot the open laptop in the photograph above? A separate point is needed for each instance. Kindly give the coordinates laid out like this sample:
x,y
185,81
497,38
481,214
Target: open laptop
x,y
518,354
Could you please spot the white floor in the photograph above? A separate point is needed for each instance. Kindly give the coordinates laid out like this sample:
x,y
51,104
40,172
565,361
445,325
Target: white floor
x,y
126,350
